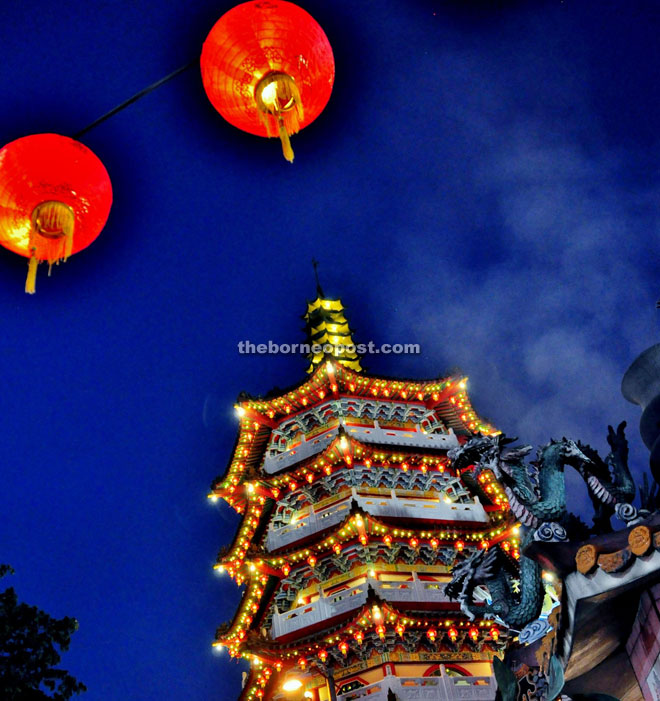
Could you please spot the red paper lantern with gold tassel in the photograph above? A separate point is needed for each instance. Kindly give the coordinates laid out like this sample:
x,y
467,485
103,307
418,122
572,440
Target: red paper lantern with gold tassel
x,y
55,196
267,67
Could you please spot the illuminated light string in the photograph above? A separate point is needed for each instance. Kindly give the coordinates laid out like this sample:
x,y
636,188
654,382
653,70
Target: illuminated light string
x,y
256,502
256,497
347,381
366,529
257,581
372,617
256,412
340,452
248,496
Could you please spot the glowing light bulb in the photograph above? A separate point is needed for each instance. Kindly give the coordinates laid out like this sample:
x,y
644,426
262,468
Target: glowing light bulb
x,y
292,685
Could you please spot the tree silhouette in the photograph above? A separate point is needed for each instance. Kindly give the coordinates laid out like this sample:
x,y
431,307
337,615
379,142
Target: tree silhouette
x,y
29,639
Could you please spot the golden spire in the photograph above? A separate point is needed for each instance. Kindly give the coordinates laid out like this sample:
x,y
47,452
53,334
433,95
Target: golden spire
x,y
326,327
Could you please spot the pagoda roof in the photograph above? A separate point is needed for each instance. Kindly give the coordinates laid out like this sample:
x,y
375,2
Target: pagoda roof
x,y
259,566
332,380
372,613
358,521
327,328
342,450
358,630
259,416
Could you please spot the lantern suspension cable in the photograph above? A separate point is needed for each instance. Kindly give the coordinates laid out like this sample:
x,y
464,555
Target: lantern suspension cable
x,y
136,97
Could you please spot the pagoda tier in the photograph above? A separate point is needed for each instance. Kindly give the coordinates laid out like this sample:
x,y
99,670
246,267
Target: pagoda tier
x,y
379,639
352,519
328,330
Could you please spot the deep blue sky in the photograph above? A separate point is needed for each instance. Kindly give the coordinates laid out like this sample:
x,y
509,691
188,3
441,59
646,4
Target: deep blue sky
x,y
484,182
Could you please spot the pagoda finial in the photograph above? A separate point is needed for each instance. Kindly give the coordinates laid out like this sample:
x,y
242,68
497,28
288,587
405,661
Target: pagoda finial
x,y
319,289
328,330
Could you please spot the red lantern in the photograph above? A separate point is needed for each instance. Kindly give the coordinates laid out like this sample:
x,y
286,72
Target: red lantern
x,y
267,67
495,634
359,637
323,655
431,634
400,629
453,634
459,545
343,647
473,633
55,196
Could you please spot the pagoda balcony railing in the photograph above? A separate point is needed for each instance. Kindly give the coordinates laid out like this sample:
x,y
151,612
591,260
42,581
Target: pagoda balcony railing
x,y
325,608
378,502
275,462
431,688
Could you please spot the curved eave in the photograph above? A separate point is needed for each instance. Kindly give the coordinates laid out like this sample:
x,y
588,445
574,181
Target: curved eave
x,y
344,450
245,545
348,532
364,619
333,379
246,457
447,397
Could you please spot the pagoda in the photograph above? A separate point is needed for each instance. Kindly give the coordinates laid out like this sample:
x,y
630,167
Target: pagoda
x,y
353,517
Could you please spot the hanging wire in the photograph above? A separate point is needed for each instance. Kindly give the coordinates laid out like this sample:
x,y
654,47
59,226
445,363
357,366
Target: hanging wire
x,y
136,97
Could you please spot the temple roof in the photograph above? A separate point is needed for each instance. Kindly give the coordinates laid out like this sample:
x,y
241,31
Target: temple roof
x,y
330,379
326,325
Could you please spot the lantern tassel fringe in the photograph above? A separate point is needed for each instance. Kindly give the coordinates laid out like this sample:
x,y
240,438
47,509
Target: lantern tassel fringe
x,y
280,108
51,237
286,143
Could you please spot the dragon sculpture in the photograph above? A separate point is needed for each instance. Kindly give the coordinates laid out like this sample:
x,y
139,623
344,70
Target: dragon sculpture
x,y
609,481
537,492
484,568
537,496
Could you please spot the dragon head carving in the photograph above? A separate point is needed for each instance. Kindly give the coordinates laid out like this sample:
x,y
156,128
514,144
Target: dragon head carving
x,y
480,567
484,452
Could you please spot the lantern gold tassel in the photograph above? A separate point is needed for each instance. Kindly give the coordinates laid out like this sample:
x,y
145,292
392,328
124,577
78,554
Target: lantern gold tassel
x,y
286,143
278,100
31,281
51,236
